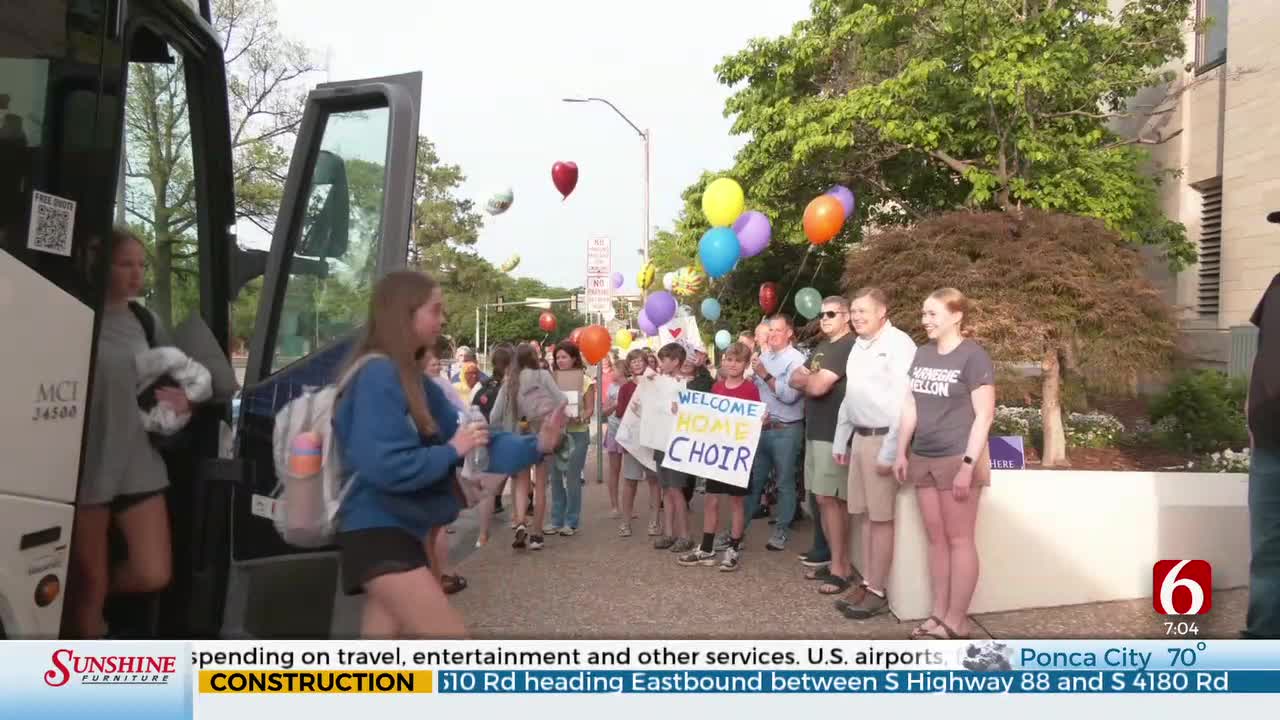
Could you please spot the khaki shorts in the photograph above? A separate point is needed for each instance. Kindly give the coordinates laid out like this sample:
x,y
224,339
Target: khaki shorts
x,y
822,476
869,491
940,472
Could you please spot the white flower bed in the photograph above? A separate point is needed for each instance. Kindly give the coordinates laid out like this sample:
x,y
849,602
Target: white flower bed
x,y
1097,430
1229,461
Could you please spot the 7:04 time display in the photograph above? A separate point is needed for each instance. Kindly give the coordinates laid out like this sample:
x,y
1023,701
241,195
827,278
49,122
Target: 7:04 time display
x,y
1181,629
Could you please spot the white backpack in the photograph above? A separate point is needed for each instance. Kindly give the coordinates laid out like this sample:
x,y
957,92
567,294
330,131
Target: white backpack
x,y
306,507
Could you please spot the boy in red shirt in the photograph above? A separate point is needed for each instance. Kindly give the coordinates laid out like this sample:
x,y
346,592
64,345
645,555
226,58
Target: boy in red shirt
x,y
733,383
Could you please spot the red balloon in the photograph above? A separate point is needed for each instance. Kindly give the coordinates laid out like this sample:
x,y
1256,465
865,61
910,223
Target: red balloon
x,y
594,343
565,176
547,321
769,296
575,336
823,219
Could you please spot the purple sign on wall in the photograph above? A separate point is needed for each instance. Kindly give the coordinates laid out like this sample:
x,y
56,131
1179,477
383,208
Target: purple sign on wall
x,y
1006,453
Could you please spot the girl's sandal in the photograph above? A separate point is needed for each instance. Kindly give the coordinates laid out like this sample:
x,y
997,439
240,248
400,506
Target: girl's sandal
x,y
926,633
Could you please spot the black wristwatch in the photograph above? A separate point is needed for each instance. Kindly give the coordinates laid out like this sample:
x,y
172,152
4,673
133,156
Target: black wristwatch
x,y
768,377
968,460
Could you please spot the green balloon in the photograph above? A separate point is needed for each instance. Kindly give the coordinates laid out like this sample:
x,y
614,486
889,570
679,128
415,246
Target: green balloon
x,y
809,302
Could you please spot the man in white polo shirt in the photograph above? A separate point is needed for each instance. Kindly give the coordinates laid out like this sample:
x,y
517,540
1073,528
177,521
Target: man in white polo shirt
x,y
867,440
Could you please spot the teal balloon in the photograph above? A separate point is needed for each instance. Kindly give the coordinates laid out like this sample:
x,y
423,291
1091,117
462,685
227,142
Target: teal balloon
x,y
809,302
723,339
719,251
711,309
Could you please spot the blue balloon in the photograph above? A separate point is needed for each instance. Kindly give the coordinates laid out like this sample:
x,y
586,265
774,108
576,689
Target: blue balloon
x,y
711,309
723,339
719,250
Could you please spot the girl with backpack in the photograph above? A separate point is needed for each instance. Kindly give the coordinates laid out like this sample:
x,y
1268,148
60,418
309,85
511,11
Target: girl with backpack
x,y
528,398
491,503
401,441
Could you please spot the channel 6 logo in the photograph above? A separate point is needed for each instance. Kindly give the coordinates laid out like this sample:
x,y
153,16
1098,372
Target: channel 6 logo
x,y
1182,587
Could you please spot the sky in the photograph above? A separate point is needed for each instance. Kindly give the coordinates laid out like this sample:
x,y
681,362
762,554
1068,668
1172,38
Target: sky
x,y
494,74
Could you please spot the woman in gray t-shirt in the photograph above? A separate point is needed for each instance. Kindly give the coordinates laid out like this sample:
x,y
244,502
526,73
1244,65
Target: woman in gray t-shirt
x,y
124,476
942,452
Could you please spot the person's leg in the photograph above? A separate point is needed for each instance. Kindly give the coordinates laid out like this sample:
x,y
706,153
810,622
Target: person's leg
x,y
520,495
149,566
1262,620
939,554
90,579
786,452
416,604
376,621
613,474
655,503
559,482
577,463
540,494
681,516
834,517
819,553
738,518
710,516
958,518
628,503
761,468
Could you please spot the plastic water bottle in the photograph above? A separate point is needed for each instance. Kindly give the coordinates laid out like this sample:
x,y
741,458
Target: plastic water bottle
x,y
480,455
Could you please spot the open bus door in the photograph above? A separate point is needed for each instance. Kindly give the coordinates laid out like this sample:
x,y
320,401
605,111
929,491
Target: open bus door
x,y
345,220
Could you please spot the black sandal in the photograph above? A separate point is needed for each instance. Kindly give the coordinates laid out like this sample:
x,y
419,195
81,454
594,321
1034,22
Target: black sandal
x,y
838,582
453,584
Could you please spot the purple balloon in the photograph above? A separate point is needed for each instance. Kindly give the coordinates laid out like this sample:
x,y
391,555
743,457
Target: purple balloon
x,y
617,280
660,307
754,231
845,196
646,325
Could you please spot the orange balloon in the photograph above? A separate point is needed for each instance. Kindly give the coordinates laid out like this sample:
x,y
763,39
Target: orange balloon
x,y
823,219
594,343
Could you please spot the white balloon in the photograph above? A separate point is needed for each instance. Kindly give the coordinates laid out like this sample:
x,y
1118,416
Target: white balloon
x,y
610,314
668,280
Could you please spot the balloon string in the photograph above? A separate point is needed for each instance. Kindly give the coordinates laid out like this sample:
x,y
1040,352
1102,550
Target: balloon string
x,y
821,260
783,303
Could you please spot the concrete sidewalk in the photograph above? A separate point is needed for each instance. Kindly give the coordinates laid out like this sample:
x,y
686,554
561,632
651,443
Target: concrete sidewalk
x,y
596,585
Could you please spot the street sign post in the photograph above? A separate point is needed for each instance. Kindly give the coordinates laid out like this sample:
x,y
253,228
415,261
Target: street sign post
x,y
599,288
599,300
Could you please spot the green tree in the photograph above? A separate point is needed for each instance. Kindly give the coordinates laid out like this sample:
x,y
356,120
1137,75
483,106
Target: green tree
x,y
1004,104
1060,291
265,107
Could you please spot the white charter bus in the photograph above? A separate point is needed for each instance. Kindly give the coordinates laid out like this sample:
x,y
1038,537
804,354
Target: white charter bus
x,y
68,69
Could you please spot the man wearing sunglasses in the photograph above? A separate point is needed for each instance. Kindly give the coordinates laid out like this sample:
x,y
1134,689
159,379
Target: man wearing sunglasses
x,y
823,384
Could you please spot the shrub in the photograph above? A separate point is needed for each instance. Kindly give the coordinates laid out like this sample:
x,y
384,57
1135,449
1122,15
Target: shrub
x,y
1201,412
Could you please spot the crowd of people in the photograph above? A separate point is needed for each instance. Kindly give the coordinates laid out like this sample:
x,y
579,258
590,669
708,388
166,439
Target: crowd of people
x,y
854,411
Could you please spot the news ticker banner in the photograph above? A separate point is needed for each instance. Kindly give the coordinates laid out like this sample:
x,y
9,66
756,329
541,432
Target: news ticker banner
x,y
146,680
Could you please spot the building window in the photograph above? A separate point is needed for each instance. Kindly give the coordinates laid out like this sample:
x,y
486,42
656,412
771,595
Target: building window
x,y
1211,38
1210,263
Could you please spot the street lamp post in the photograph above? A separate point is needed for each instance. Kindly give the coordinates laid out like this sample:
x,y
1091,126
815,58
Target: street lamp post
x,y
646,136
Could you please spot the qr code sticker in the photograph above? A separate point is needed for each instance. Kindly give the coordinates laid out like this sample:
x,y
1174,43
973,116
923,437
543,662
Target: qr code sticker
x,y
52,221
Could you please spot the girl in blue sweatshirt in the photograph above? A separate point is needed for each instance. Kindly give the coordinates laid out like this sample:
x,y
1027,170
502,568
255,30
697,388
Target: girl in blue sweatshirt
x,y
401,441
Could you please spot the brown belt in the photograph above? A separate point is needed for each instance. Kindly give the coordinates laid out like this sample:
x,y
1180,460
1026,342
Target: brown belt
x,y
774,425
868,431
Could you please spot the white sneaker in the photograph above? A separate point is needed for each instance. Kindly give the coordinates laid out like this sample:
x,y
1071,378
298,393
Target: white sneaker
x,y
568,532
550,529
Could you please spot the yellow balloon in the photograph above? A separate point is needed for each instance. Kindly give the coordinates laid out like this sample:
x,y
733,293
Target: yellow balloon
x,y
645,278
622,339
722,202
687,282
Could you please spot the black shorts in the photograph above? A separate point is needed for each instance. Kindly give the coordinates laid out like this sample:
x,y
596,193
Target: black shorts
x,y
715,487
120,503
374,552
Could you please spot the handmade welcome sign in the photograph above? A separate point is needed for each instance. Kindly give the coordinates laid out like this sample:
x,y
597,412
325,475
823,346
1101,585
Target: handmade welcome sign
x,y
714,437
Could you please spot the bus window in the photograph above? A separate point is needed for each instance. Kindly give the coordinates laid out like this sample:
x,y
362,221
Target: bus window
x,y
333,268
159,199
